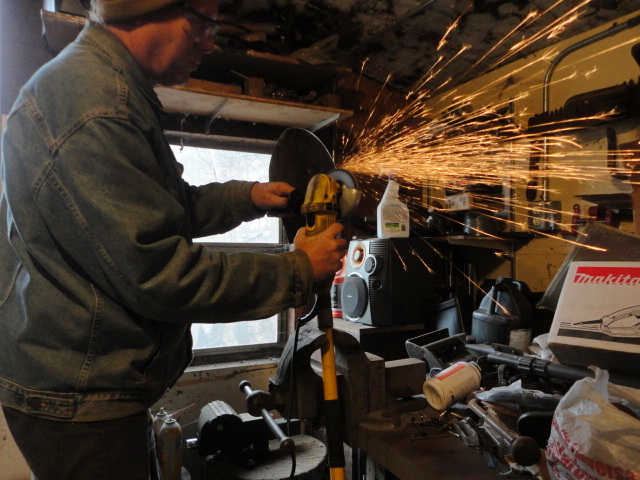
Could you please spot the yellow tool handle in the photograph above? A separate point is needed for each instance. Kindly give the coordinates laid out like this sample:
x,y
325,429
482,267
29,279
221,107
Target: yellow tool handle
x,y
329,376
333,417
321,210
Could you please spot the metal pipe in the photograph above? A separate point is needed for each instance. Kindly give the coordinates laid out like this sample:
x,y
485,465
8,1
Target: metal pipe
x,y
632,22
613,30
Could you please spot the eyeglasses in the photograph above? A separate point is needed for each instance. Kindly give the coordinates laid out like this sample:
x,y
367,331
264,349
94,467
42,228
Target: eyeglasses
x,y
205,24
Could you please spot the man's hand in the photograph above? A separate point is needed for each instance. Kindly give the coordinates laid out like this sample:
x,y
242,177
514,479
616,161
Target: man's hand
x,y
270,196
324,250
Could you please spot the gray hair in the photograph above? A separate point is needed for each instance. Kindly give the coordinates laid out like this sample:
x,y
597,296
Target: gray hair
x,y
92,13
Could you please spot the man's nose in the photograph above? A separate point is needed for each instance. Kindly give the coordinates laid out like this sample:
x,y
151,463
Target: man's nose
x,y
207,43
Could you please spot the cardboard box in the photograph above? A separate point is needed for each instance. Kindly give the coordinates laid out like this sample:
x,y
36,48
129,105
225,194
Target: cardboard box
x,y
596,243
597,321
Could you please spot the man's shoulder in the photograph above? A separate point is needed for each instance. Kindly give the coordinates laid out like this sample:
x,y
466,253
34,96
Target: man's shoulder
x,y
74,88
77,74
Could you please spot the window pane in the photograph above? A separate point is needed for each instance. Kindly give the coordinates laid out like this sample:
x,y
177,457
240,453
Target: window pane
x,y
204,165
216,335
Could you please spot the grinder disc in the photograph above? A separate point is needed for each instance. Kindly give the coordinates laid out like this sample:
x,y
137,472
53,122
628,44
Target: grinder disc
x,y
296,158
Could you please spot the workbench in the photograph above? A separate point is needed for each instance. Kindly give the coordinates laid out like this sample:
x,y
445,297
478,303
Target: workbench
x,y
397,445
387,420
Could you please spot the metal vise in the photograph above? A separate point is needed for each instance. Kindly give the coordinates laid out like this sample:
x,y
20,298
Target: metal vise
x,y
240,438
366,383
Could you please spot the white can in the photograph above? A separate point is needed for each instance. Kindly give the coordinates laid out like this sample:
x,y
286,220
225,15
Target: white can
x,y
452,385
170,450
158,421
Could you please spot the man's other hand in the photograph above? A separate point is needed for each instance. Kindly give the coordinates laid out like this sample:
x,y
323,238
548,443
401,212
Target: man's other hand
x,y
325,250
271,195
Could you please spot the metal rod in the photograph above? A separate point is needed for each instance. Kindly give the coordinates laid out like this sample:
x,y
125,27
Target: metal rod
x,y
256,404
613,30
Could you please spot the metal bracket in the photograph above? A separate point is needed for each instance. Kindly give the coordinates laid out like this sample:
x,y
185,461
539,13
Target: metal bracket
x,y
328,121
215,114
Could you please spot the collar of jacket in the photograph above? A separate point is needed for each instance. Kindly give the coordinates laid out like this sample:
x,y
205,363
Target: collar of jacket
x,y
99,37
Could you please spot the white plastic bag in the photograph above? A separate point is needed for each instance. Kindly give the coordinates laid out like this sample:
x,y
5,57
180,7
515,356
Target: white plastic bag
x,y
596,432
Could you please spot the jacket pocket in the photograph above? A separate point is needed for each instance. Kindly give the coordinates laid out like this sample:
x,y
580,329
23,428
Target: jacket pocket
x,y
151,364
8,280
9,270
93,341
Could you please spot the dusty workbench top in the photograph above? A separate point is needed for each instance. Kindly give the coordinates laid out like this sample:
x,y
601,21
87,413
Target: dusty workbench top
x,y
410,452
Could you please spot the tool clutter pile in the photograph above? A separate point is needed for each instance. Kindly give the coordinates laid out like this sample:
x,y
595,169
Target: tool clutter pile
x,y
526,414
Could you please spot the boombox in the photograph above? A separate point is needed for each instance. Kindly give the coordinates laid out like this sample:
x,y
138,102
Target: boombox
x,y
390,281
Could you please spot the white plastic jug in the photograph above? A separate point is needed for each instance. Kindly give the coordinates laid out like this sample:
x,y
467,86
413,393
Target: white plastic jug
x,y
393,214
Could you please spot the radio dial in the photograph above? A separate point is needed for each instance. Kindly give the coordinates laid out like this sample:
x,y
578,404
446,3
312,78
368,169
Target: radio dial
x,y
373,264
357,255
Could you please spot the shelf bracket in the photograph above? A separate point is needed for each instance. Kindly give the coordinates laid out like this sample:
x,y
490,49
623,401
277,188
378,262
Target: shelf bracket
x,y
324,123
215,114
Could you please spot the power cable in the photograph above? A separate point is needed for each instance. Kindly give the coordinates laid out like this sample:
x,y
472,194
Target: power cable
x,y
299,323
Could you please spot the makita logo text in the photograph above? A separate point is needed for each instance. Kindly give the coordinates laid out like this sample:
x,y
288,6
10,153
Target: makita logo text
x,y
608,275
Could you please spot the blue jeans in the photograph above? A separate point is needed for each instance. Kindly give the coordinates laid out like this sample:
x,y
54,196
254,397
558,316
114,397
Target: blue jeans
x,y
121,449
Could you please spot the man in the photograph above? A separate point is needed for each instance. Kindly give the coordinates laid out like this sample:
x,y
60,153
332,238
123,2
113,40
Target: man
x,y
99,277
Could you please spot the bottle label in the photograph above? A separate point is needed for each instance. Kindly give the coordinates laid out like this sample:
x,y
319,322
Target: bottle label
x,y
451,385
520,338
336,297
450,371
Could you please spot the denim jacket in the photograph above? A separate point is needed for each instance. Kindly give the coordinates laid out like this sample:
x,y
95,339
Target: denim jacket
x,y
99,277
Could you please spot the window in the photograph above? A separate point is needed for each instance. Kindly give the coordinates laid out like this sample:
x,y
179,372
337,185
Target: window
x,y
205,165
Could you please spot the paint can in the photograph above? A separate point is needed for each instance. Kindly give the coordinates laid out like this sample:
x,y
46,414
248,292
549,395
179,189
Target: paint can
x,y
170,450
452,385
159,420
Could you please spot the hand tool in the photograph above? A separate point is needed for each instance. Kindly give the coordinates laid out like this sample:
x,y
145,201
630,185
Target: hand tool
x,y
524,450
467,433
329,196
545,368
303,161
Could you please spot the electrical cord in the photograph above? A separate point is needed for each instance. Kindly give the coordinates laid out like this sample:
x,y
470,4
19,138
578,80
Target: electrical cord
x,y
291,396
299,323
293,466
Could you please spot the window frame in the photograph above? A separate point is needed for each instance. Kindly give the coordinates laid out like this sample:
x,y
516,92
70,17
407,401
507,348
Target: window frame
x,y
239,352
203,356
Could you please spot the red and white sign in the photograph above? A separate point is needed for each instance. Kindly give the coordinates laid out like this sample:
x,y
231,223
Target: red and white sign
x,y
598,312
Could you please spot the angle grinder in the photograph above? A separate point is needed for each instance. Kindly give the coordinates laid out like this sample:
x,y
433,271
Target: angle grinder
x,y
301,160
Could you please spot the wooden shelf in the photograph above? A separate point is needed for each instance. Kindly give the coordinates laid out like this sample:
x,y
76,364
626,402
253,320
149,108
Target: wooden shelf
x,y
225,100
219,101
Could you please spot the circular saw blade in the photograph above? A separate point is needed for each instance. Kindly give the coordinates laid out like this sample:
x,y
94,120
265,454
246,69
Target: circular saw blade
x,y
296,158
350,195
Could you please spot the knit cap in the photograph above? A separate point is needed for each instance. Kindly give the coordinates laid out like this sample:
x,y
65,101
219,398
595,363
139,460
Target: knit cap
x,y
119,10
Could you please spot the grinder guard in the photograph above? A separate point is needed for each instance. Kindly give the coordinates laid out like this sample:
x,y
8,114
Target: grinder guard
x,y
301,159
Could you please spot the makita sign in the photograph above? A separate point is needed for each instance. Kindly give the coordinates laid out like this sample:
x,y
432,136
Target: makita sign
x,y
607,275
597,320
